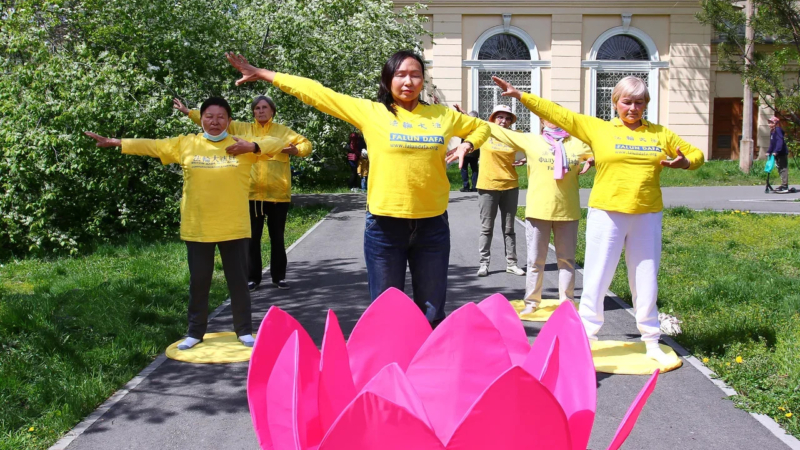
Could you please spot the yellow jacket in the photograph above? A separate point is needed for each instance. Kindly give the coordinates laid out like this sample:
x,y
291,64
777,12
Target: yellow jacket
x,y
496,172
408,177
215,184
548,198
270,178
627,162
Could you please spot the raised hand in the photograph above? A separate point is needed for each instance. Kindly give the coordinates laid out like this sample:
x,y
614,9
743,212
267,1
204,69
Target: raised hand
x,y
291,150
249,72
457,107
680,161
179,106
586,166
103,141
508,89
240,147
458,154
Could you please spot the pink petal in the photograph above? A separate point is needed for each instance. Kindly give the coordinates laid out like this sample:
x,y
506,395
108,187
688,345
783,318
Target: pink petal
x,y
391,383
505,319
275,329
282,397
550,371
372,422
336,387
629,420
576,382
391,330
463,355
515,412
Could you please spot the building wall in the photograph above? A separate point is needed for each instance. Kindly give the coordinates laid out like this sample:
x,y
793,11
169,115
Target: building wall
x,y
566,31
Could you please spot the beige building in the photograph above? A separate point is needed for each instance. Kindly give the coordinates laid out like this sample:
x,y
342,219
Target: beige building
x,y
574,51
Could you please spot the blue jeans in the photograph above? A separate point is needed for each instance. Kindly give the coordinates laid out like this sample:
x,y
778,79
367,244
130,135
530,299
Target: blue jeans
x,y
423,244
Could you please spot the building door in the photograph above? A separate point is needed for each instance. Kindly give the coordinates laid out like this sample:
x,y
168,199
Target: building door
x,y
727,128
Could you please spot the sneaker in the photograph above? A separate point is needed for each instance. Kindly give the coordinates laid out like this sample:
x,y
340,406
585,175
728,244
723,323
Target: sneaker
x,y
188,343
247,340
473,190
483,271
280,284
514,270
465,189
251,286
782,188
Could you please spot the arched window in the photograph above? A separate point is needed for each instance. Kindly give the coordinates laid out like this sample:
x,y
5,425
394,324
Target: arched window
x,y
506,55
616,54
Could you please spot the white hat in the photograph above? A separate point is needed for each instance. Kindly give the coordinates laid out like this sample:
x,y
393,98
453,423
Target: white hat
x,y
505,109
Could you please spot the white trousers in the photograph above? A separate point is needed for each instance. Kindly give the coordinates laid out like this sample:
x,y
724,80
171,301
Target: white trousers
x,y
565,238
606,234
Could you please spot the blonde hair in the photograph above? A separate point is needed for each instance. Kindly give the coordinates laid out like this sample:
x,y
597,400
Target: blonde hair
x,y
630,86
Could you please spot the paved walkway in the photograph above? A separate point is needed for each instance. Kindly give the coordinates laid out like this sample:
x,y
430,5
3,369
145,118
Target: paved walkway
x,y
185,406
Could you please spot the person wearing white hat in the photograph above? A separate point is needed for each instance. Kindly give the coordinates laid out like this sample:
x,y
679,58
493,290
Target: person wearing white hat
x,y
498,189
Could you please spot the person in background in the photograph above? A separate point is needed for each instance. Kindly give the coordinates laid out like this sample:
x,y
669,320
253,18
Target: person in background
x,y
363,169
625,206
270,187
353,156
498,189
777,147
406,222
470,162
216,179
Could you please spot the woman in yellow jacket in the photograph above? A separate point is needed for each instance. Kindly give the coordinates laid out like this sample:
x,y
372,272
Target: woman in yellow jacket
x,y
216,176
625,205
552,203
408,189
270,187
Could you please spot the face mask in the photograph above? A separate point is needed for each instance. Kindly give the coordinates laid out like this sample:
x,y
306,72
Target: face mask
x,y
216,138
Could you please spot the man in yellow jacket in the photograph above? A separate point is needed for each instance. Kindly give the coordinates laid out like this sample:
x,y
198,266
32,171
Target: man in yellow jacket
x,y
270,187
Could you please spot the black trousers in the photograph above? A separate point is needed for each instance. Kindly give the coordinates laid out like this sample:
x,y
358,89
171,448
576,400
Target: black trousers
x,y
355,180
275,214
201,269
469,163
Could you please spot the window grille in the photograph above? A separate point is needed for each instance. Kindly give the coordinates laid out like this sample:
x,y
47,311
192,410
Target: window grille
x,y
489,95
605,84
504,47
622,47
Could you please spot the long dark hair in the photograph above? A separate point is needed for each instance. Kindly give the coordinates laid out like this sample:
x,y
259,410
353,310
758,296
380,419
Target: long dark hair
x,y
387,74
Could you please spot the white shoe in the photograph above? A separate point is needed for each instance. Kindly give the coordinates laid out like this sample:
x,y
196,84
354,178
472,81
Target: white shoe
x,y
247,340
659,355
514,270
483,271
530,306
188,343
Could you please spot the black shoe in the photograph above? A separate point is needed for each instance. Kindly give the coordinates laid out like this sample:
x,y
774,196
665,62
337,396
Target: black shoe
x,y
252,285
782,188
473,190
280,284
465,189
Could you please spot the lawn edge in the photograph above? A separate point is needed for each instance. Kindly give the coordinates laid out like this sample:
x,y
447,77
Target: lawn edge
x,y
98,413
768,423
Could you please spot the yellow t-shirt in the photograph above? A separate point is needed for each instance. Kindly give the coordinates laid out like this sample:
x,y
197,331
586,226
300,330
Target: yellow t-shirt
x,y
496,172
627,162
408,177
215,184
548,198
270,177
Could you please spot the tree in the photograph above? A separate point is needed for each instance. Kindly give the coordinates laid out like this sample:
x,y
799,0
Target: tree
x,y
113,66
773,73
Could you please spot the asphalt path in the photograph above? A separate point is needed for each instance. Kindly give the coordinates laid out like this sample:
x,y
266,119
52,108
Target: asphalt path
x,y
186,406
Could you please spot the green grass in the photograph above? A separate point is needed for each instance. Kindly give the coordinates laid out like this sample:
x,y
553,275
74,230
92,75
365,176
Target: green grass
x,y
733,278
712,173
74,330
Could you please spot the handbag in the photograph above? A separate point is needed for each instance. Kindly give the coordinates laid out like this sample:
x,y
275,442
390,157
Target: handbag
x,y
770,164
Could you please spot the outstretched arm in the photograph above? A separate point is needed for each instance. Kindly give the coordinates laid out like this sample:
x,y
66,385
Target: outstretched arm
x,y
165,149
581,126
104,141
352,110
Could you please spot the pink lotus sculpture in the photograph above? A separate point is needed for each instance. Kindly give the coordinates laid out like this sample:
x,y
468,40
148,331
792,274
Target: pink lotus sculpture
x,y
472,383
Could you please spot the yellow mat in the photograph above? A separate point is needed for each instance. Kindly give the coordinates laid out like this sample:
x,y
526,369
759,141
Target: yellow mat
x,y
629,358
216,348
540,314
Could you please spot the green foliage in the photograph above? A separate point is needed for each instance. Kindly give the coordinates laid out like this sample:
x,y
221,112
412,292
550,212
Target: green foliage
x,y
113,66
75,329
773,74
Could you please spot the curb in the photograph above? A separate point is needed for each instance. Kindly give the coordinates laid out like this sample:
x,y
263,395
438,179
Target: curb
x,y
83,425
772,426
